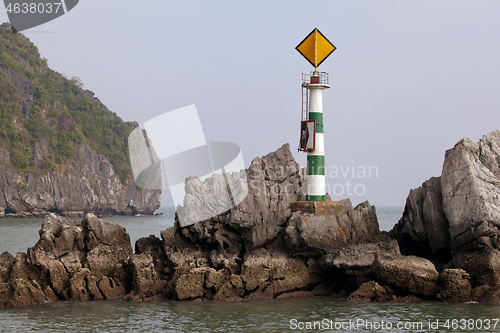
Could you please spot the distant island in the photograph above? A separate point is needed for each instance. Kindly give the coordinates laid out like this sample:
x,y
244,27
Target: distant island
x,y
61,149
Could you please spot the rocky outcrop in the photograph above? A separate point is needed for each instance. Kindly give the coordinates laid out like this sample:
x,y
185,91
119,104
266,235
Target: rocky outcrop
x,y
278,250
73,260
471,192
241,253
454,220
397,278
274,181
259,249
331,249
459,210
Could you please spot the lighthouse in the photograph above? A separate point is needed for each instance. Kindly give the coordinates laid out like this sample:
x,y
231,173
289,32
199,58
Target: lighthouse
x,y
315,48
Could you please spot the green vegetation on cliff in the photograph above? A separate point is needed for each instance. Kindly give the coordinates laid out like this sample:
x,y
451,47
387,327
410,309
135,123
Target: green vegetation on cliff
x,y
40,107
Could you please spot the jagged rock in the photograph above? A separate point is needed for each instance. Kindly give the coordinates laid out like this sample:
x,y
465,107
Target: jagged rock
x,y
246,252
22,282
463,207
206,199
471,190
59,278
94,243
105,232
214,234
149,268
414,274
274,181
180,252
460,210
73,260
454,285
311,236
423,228
262,275
151,245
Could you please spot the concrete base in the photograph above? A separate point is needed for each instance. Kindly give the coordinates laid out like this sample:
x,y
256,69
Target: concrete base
x,y
318,207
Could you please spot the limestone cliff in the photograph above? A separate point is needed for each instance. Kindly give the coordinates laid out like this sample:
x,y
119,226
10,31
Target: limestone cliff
x,y
87,184
61,149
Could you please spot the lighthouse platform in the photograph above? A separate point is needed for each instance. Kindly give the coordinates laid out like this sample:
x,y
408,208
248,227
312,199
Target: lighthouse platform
x,y
318,207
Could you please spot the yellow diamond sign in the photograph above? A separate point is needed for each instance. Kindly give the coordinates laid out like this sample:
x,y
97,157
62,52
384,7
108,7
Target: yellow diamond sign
x,y
315,48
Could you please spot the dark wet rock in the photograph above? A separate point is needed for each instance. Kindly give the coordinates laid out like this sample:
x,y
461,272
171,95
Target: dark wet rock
x,y
483,266
371,292
486,294
454,285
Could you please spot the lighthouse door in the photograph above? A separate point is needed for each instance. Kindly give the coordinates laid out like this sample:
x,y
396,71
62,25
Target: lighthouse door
x,y
307,135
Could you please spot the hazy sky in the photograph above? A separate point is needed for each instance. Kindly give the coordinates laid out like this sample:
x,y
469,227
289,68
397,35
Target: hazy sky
x,y
409,78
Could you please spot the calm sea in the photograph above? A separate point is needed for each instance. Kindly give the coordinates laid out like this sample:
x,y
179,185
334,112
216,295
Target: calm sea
x,y
308,314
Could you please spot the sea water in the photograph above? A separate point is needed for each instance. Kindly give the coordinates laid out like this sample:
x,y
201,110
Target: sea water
x,y
306,314
16,234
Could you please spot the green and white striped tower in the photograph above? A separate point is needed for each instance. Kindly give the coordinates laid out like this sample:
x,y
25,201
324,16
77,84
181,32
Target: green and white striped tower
x,y
315,48
315,181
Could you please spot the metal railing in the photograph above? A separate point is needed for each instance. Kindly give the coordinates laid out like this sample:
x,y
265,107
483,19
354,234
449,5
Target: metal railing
x,y
323,78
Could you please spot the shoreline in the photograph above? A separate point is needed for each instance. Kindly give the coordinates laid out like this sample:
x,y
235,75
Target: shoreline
x,y
44,214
